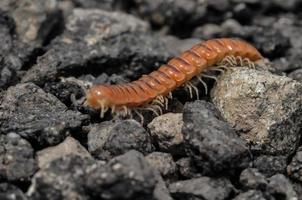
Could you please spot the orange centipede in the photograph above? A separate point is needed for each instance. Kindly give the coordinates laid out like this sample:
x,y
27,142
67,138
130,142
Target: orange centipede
x,y
153,90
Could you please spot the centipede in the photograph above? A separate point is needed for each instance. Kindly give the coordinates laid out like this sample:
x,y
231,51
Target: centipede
x,y
153,91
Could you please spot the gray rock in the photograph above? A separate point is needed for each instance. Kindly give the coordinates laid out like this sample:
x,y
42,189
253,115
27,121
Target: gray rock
x,y
264,108
17,158
296,75
281,188
211,142
67,147
11,192
186,168
166,130
163,162
251,178
97,40
251,195
110,139
37,116
63,178
270,165
294,169
35,20
203,188
128,176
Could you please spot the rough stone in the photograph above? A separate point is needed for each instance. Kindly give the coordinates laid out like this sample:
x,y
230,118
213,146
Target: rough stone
x,y
37,116
11,192
163,162
251,195
211,142
203,188
186,168
251,178
294,169
281,188
110,139
166,130
67,147
270,165
17,158
264,108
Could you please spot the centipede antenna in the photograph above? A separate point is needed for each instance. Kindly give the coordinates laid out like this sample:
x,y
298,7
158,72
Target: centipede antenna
x,y
203,83
208,76
140,116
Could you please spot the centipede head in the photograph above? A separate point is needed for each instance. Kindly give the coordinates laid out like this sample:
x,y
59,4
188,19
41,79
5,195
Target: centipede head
x,y
97,98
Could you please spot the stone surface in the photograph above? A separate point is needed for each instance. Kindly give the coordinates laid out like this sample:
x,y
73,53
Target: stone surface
x,y
270,165
17,159
163,162
67,147
11,192
186,168
251,178
110,139
211,142
294,169
251,195
280,187
264,108
203,188
166,130
37,116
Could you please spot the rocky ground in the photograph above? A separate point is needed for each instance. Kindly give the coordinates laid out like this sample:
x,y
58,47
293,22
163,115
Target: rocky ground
x,y
240,141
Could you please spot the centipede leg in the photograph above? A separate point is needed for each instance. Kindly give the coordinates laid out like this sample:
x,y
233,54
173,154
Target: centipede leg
x,y
166,103
195,88
151,109
190,90
217,69
139,115
239,61
170,95
156,101
208,76
203,83
159,108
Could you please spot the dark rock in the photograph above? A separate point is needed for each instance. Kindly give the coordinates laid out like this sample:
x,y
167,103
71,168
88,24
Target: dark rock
x,y
67,147
17,158
203,188
166,130
11,192
186,168
294,169
211,142
296,75
251,178
163,162
97,41
63,178
110,139
270,165
37,116
35,20
281,188
264,108
128,176
251,195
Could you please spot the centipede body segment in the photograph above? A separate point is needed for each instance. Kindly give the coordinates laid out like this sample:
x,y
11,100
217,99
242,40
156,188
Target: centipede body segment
x,y
158,85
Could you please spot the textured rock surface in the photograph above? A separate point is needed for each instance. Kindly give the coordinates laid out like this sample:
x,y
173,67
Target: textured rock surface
x,y
11,192
264,108
17,158
166,130
294,169
110,139
37,116
211,142
270,165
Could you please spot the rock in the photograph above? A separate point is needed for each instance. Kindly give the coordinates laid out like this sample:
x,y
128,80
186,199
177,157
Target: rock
x,y
35,20
67,147
166,130
296,75
163,162
14,54
281,188
63,178
128,176
97,41
251,195
294,169
11,192
37,116
110,139
211,142
203,188
251,178
186,168
270,165
17,161
263,107
178,13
